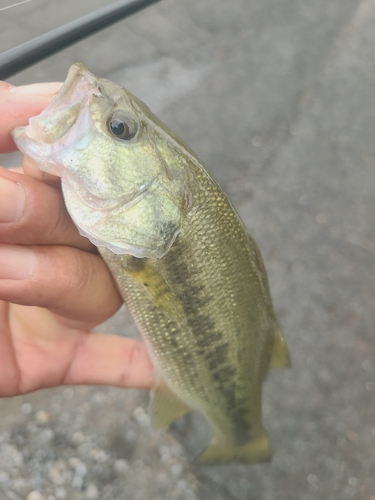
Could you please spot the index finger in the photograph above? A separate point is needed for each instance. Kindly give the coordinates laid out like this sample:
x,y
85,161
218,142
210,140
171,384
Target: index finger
x,y
18,105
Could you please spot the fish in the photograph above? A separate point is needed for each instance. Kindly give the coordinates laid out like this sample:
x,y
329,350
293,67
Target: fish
x,y
189,271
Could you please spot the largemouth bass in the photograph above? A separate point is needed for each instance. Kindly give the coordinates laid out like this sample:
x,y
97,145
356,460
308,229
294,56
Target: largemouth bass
x,y
189,271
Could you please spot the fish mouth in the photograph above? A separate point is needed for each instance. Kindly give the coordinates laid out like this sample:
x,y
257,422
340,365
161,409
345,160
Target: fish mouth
x,y
61,115
95,202
62,122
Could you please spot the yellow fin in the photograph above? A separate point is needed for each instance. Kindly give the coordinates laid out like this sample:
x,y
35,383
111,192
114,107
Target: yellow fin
x,y
165,406
157,290
280,355
256,450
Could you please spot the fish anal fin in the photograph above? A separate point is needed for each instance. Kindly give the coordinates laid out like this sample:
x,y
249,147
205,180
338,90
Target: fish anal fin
x,y
280,354
254,451
165,406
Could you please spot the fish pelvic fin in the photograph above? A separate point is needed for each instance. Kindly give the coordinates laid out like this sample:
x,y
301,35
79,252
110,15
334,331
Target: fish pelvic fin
x,y
280,354
254,451
165,407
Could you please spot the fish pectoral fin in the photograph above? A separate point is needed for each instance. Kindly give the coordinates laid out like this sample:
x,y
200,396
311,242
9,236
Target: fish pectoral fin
x,y
280,354
165,406
254,451
157,290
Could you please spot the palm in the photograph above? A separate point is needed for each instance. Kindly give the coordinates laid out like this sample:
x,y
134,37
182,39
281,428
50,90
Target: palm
x,y
37,350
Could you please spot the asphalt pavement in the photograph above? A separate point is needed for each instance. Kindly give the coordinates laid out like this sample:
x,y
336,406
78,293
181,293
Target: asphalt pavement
x,y
277,97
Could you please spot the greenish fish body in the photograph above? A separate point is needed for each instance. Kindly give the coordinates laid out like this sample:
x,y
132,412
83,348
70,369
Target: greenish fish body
x,y
189,271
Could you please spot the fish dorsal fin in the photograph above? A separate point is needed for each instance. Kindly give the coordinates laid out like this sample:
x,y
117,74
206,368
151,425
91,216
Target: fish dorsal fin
x,y
280,355
165,406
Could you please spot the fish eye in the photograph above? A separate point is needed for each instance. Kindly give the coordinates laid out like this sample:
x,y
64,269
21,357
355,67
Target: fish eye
x,y
121,126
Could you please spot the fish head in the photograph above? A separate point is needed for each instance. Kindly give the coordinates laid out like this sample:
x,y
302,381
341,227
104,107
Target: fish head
x,y
121,185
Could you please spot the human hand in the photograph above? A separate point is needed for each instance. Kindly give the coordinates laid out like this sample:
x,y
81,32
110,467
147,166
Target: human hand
x,y
54,286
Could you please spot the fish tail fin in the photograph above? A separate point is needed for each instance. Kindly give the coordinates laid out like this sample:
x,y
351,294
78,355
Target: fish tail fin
x,y
254,451
280,354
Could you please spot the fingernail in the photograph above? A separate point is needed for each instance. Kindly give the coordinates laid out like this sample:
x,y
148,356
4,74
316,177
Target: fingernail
x,y
16,262
12,200
37,89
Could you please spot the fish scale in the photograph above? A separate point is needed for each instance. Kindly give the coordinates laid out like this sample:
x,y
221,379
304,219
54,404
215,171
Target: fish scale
x,y
189,271
211,234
